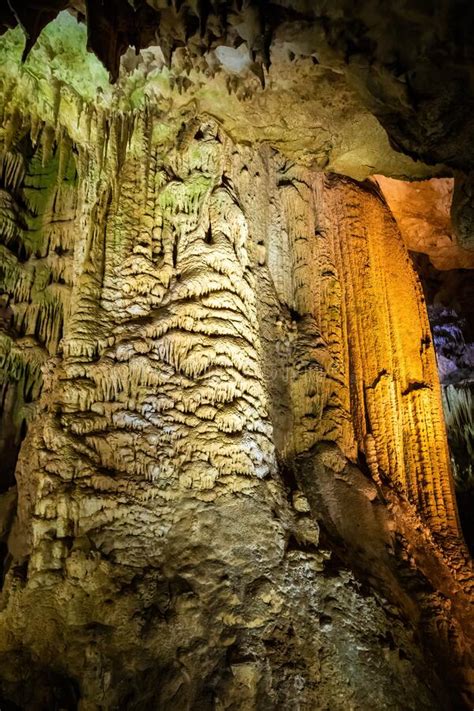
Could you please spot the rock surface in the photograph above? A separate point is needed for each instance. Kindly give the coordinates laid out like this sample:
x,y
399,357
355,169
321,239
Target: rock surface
x,y
224,447
422,210
328,125
423,214
420,88
227,479
273,55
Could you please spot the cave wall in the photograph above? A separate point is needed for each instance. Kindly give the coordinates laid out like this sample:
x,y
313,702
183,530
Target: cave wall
x,y
234,490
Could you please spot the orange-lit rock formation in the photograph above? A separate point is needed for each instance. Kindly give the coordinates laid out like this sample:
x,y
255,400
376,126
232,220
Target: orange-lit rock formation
x,y
395,395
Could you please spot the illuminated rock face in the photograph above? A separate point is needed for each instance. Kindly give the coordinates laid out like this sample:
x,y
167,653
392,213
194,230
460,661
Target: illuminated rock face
x,y
449,297
425,212
235,461
396,399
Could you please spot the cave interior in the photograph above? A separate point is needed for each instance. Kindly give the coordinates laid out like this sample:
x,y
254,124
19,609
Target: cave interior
x,y
236,355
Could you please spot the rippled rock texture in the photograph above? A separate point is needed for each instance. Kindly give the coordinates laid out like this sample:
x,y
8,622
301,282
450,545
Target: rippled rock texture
x,y
226,481
233,486
424,214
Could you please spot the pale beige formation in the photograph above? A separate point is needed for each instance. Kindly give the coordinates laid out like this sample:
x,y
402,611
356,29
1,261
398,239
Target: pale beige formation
x,y
233,420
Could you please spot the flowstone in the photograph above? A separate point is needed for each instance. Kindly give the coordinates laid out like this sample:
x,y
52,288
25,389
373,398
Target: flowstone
x,y
233,489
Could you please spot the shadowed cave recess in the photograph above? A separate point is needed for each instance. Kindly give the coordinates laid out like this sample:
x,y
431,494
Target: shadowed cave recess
x,y
236,349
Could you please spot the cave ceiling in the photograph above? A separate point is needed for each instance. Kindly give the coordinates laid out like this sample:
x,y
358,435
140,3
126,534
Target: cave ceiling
x,y
353,88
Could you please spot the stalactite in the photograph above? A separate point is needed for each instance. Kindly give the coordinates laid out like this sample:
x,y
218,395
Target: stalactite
x,y
57,97
396,394
459,412
12,171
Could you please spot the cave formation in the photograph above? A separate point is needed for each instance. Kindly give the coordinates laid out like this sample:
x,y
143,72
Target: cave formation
x,y
236,347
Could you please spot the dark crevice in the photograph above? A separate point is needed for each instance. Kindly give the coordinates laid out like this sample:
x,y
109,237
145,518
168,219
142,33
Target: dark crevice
x,y
449,296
